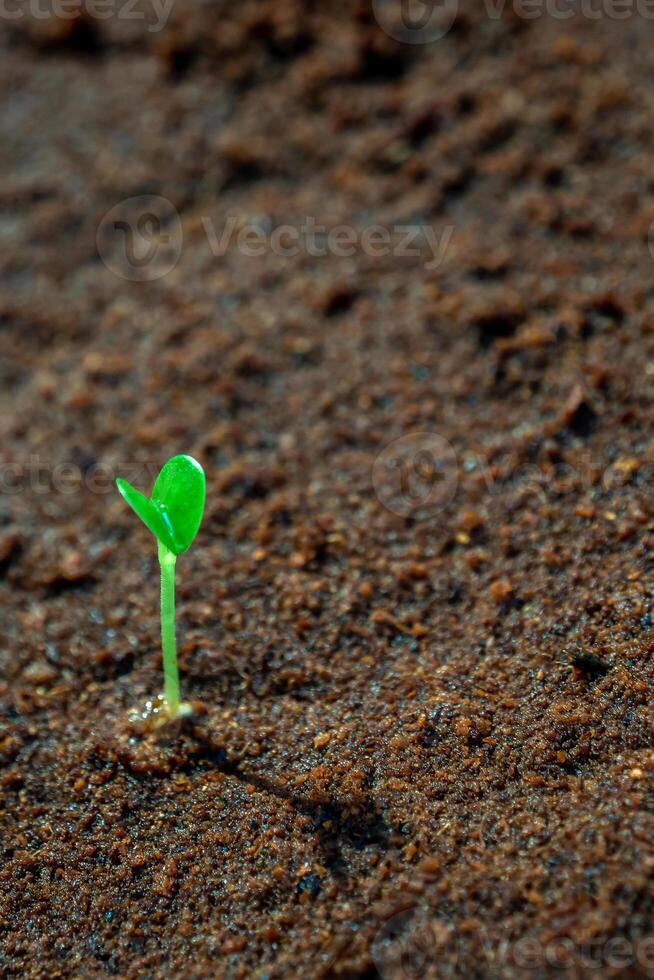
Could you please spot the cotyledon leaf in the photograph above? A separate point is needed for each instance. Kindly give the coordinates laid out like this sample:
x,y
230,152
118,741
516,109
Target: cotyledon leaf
x,y
175,510
150,514
179,493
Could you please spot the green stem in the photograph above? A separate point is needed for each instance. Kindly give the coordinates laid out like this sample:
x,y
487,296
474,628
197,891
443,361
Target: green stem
x,y
171,673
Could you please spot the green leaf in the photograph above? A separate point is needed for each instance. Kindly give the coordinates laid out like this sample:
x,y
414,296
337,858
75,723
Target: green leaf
x,y
179,493
175,510
149,513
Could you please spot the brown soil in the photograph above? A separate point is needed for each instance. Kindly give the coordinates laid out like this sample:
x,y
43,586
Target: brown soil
x,y
446,713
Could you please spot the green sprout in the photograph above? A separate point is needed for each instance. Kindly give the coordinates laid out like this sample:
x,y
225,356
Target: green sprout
x,y
173,514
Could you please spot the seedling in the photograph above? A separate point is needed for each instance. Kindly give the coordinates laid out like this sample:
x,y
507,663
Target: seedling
x,y
173,514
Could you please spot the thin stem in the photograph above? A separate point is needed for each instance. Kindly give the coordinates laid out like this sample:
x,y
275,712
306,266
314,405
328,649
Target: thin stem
x,y
171,672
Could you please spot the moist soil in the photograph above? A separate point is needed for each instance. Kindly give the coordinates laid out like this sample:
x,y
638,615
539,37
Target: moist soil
x,y
423,741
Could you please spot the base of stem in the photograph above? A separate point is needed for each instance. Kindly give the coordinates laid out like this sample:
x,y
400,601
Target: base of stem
x,y
184,710
157,713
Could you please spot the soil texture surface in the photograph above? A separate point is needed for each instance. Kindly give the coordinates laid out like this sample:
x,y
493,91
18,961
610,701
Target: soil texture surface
x,y
416,623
